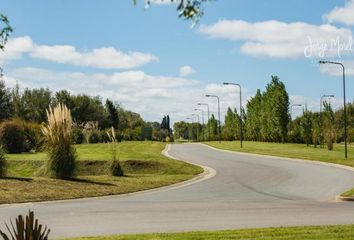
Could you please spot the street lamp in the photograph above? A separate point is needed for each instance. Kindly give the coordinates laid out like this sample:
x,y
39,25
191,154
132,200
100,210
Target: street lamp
x,y
201,110
205,104
291,108
345,105
196,115
321,124
219,128
238,85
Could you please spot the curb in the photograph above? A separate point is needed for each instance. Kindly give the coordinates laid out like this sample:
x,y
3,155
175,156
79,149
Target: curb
x,y
345,199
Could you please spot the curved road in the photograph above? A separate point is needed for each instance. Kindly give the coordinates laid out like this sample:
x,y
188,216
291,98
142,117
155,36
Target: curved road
x,y
247,191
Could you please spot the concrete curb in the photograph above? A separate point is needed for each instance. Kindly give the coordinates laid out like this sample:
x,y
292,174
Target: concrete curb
x,y
338,198
206,174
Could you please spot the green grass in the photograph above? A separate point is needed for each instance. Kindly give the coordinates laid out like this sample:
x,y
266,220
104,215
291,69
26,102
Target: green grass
x,y
349,193
289,233
143,164
291,150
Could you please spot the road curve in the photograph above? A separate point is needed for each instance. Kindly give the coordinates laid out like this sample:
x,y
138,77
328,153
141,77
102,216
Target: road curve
x,y
247,191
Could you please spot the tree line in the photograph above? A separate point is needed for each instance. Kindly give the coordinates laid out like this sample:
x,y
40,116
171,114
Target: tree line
x,y
267,118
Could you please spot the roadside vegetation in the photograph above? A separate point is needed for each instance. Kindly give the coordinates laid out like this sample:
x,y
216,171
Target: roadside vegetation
x,y
286,233
143,165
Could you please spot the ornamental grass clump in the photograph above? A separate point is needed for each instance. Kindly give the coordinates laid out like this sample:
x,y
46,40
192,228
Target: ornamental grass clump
x,y
115,168
58,142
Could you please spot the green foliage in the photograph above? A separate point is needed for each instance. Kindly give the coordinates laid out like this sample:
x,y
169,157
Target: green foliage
x,y
34,138
78,136
116,169
253,123
94,136
328,125
12,136
3,164
306,126
5,30
5,101
231,128
26,228
112,114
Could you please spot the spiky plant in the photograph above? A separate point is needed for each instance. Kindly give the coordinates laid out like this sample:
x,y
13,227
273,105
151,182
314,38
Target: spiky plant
x,y
58,136
2,162
115,168
26,228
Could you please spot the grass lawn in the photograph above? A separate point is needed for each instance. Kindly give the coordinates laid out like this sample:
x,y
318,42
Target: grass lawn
x,y
292,150
292,233
142,162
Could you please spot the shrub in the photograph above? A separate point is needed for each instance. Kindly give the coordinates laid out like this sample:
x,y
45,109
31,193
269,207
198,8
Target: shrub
x,y
12,136
58,134
104,138
26,228
94,137
2,162
116,169
34,139
78,135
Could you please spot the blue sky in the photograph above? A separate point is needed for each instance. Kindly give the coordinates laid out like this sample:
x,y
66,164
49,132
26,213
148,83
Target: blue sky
x,y
152,62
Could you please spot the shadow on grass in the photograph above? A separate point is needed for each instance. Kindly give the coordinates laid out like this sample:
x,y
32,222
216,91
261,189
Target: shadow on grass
x,y
90,182
22,179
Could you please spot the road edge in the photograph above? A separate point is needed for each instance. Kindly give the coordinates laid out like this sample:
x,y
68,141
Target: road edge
x,y
337,198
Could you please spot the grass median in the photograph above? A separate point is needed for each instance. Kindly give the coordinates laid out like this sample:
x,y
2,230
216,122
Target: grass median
x,y
292,150
143,164
288,233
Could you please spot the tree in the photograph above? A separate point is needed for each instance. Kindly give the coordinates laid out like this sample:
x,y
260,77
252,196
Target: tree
x,y
5,101
306,126
187,9
253,122
328,125
232,125
275,111
112,114
5,30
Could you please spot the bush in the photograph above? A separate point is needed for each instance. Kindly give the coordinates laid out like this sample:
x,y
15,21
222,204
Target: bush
x,y
12,136
94,137
34,139
104,137
116,169
58,133
26,228
78,136
2,162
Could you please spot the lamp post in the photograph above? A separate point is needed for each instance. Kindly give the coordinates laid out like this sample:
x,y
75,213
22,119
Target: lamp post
x,y
219,128
188,127
321,123
196,115
205,104
241,132
291,108
345,105
201,110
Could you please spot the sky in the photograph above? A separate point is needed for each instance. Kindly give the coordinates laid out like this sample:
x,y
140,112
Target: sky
x,y
152,62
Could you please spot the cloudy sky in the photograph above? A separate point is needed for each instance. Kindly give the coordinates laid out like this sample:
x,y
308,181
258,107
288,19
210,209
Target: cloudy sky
x,y
153,63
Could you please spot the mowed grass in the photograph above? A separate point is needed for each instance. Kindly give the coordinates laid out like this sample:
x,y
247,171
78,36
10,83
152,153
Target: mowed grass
x,y
289,233
143,164
291,150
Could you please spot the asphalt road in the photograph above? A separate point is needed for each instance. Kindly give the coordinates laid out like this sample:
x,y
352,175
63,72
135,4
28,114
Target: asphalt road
x,y
247,191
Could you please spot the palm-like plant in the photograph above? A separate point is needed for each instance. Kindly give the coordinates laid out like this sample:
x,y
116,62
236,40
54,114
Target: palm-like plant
x,y
26,228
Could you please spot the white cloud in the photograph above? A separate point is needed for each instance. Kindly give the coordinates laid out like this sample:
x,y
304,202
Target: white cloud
x,y
342,14
152,96
15,47
162,2
104,58
279,39
186,71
